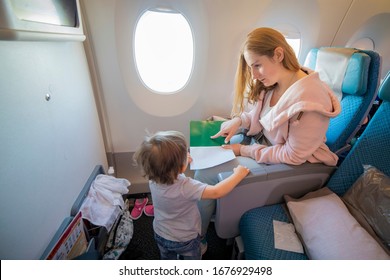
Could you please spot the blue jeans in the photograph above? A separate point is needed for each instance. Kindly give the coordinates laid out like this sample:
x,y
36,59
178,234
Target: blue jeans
x,y
173,250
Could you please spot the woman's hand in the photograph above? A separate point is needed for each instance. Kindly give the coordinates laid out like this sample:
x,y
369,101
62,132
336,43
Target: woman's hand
x,y
235,147
228,129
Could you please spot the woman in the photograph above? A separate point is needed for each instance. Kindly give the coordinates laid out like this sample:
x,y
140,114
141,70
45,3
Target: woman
x,y
290,116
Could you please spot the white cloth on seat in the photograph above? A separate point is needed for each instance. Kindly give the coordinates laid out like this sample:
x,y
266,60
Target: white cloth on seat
x,y
104,201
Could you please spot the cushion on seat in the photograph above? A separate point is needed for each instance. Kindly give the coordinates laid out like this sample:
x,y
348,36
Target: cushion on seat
x,y
328,229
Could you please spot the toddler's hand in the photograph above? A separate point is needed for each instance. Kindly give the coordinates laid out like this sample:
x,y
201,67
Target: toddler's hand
x,y
241,170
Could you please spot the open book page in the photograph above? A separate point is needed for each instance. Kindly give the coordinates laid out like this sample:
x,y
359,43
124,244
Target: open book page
x,y
205,157
207,152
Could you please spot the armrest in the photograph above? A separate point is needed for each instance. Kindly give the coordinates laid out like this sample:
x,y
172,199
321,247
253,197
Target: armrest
x,y
266,185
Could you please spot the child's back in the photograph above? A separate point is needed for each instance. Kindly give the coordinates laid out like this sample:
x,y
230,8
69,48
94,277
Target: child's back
x,y
177,222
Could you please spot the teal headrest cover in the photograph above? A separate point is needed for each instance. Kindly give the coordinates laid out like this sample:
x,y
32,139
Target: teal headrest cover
x,y
356,75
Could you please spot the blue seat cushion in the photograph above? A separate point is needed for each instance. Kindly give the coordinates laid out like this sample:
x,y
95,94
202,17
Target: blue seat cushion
x,y
372,148
257,232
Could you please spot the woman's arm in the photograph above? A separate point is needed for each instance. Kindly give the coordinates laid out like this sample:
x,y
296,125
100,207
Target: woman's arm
x,y
303,140
247,120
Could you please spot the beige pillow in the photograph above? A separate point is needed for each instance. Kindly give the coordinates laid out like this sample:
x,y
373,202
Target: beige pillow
x,y
317,193
329,231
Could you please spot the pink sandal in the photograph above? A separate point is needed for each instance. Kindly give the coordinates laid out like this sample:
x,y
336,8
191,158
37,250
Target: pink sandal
x,y
149,210
139,206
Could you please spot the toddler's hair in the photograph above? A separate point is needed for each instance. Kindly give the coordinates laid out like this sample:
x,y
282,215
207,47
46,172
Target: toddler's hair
x,y
162,156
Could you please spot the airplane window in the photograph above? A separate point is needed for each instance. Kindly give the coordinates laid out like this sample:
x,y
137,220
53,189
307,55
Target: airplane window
x,y
295,44
292,35
164,50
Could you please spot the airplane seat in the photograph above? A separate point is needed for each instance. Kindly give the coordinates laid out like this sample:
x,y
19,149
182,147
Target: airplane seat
x,y
358,89
372,148
350,72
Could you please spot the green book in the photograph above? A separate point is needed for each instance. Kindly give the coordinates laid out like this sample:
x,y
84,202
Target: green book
x,y
200,132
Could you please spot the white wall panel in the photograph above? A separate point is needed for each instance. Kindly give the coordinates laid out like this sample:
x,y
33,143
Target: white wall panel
x,y
48,148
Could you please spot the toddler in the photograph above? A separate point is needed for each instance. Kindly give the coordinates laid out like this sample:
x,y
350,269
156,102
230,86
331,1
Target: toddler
x,y
177,223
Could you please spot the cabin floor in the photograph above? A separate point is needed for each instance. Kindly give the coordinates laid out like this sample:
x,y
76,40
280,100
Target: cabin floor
x,y
143,247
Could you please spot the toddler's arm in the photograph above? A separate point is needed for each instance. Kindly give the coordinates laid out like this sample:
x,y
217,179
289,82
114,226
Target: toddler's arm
x,y
227,185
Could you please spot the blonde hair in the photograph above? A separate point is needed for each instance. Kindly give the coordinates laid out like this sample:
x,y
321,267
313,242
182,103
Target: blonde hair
x,y
162,156
261,41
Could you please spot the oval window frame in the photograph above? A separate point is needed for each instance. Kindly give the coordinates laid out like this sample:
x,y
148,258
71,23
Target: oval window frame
x,y
151,86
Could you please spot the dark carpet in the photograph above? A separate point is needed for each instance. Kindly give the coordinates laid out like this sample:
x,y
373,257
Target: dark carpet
x,y
143,247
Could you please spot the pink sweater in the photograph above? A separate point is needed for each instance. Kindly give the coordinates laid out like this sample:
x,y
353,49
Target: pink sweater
x,y
294,141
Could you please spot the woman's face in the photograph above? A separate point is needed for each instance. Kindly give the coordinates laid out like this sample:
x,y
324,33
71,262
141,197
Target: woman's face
x,y
263,68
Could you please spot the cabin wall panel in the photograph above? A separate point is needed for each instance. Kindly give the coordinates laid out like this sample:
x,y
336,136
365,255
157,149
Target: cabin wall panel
x,y
368,19
48,148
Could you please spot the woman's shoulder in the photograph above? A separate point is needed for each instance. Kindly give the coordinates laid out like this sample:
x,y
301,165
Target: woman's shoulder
x,y
311,86
310,90
310,76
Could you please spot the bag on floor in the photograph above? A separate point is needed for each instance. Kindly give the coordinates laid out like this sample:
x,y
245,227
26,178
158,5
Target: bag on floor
x,y
120,235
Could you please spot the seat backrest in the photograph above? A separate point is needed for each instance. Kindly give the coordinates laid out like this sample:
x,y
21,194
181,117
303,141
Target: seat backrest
x,y
358,89
372,147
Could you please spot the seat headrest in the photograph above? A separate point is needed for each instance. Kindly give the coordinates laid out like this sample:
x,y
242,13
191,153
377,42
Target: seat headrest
x,y
384,88
356,75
